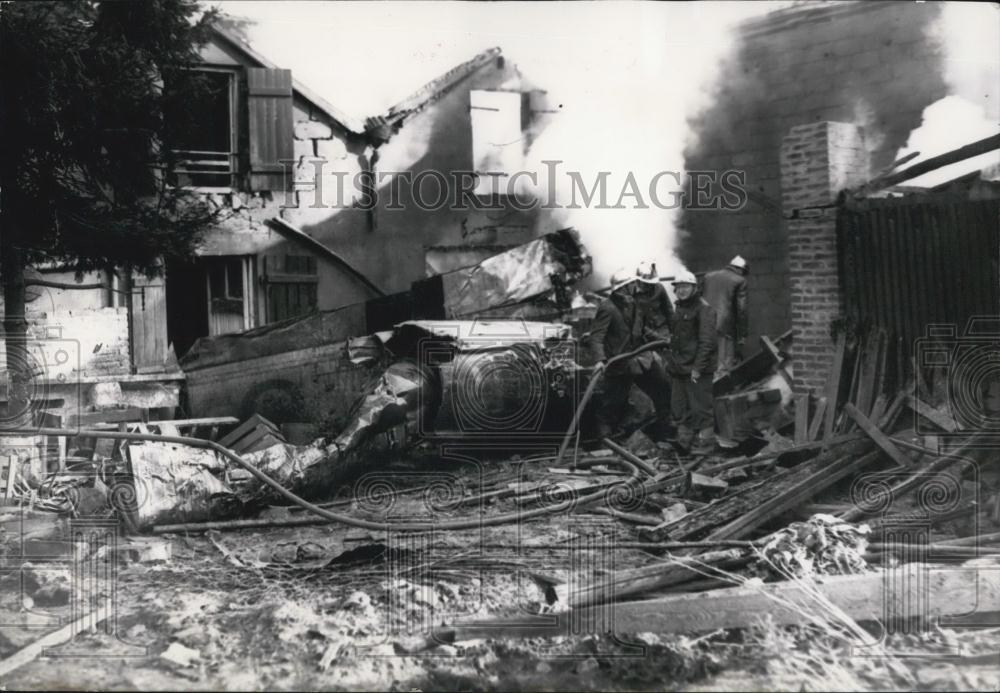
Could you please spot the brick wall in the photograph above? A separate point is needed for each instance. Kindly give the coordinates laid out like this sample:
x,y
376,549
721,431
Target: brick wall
x,y
817,161
870,64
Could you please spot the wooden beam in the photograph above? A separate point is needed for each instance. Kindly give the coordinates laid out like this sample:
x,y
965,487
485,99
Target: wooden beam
x,y
637,581
817,422
750,370
797,494
917,475
11,465
246,427
801,419
877,436
889,418
889,596
628,455
779,358
206,421
749,498
833,387
107,416
987,144
941,419
64,634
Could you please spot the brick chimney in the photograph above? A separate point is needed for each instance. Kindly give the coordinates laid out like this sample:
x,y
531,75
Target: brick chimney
x,y
818,160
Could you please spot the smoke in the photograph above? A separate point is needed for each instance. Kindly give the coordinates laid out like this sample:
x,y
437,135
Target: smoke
x,y
969,32
969,35
624,77
947,125
625,90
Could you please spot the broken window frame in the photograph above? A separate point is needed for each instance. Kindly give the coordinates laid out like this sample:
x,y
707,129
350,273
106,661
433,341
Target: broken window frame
x,y
213,163
482,146
234,285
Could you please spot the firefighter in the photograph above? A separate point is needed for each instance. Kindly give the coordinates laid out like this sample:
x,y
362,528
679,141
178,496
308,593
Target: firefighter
x,y
655,314
692,363
617,330
726,291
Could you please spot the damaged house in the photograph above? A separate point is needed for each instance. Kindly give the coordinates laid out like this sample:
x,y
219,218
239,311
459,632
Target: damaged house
x,y
348,446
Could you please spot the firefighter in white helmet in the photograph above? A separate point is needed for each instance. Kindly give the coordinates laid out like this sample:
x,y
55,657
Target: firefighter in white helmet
x,y
655,314
726,291
617,330
692,364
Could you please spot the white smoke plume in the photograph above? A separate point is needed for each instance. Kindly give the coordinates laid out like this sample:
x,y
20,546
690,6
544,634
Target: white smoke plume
x,y
969,34
628,75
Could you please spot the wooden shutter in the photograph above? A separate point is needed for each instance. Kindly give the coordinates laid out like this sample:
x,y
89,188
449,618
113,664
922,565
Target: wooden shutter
x,y
149,325
291,282
269,100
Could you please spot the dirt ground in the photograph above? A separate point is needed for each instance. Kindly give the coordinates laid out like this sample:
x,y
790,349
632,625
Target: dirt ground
x,y
328,607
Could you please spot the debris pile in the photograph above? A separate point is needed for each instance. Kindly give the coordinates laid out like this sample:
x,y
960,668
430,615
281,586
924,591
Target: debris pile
x,y
823,545
459,498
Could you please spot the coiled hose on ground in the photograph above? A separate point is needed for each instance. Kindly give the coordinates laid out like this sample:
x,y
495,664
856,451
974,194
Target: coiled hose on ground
x,y
493,520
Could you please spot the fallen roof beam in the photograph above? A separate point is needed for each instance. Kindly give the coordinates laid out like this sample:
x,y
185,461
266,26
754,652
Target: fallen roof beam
x,y
886,596
983,146
877,436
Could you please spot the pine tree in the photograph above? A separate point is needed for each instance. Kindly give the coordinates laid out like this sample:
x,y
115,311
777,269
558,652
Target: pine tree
x,y
83,169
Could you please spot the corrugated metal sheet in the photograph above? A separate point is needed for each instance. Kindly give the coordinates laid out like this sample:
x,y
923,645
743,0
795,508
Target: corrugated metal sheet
x,y
906,263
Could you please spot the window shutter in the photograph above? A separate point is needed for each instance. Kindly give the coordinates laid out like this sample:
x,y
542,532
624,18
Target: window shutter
x,y
269,100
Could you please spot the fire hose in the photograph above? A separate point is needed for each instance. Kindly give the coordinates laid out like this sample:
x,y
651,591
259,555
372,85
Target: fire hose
x,y
327,514
588,393
372,525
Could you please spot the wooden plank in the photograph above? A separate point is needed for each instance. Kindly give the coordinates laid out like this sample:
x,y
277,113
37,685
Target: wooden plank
x,y
149,324
868,375
801,418
918,475
878,408
771,348
797,494
245,428
750,370
889,596
107,416
256,444
833,387
877,436
941,419
205,421
636,581
63,635
889,418
881,366
817,422
749,498
11,467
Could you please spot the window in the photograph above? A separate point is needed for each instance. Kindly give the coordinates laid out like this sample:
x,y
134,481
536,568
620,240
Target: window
x,y
225,279
291,285
201,127
227,284
497,138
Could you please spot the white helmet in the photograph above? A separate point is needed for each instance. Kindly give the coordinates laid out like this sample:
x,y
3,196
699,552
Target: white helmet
x,y
621,277
646,272
685,277
739,263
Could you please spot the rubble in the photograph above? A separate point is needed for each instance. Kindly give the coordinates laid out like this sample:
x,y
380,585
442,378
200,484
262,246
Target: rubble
x,y
785,510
